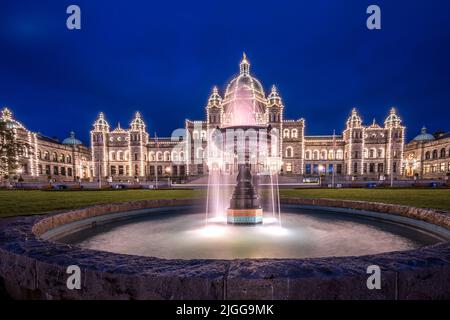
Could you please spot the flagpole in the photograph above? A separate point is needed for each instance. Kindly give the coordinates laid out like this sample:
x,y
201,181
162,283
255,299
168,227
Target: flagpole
x,y
334,158
156,158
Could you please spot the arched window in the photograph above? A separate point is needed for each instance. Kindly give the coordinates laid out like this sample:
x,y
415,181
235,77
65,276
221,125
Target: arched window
x,y
323,155
39,154
203,135
372,153
181,156
159,156
195,135
55,157
435,154
443,153
174,156
331,155
46,155
112,155
289,152
339,154
308,154
119,155
294,133
200,153
68,159
151,156
380,153
286,133
315,155
365,153
166,156
427,155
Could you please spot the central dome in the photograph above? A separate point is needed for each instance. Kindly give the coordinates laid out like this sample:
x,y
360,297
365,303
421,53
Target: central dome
x,y
244,101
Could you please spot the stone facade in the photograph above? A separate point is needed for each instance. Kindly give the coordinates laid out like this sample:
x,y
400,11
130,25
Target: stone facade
x,y
45,158
359,152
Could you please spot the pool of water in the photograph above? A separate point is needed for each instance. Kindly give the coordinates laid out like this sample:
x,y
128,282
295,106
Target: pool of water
x,y
304,233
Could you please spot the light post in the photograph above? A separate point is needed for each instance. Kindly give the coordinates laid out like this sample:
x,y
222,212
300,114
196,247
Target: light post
x,y
168,171
321,168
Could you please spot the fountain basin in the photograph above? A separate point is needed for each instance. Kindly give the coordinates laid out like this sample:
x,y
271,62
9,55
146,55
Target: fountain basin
x,y
32,267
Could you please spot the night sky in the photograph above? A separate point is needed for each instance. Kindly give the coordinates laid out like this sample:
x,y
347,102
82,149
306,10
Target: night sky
x,y
163,57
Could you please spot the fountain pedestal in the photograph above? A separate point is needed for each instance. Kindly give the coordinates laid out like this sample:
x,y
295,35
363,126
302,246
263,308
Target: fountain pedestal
x,y
245,207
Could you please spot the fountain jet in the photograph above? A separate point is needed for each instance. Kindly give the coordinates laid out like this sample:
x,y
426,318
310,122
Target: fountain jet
x,y
245,206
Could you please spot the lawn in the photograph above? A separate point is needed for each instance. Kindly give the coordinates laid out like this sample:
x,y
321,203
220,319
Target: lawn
x,y
18,202
424,198
37,202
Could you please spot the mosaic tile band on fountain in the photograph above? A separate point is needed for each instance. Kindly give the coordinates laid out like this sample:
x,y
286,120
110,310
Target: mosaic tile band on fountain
x,y
244,216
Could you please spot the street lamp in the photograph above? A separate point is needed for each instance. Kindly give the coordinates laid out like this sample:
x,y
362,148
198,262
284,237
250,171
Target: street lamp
x,y
168,171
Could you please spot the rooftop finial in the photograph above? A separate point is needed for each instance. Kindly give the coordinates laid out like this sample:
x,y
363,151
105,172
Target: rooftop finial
x,y
244,66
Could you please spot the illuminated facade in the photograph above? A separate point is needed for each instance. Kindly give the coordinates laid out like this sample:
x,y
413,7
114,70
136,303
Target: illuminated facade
x,y
46,158
360,152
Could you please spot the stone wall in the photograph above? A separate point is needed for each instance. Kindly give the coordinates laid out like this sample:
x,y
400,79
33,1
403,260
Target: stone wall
x,y
32,268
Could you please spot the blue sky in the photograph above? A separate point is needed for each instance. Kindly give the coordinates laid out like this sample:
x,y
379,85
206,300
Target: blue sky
x,y
163,57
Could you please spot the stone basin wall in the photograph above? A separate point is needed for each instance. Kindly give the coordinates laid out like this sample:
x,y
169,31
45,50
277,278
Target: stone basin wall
x,y
32,268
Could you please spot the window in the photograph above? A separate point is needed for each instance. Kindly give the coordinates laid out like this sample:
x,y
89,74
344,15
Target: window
x,y
294,133
443,167
316,155
308,169
135,157
121,172
63,171
372,168
40,169
355,167
394,167
323,155
315,168
69,172
166,156
427,155
195,135
443,153
47,170
308,154
330,169
380,168
286,133
113,170
380,153
339,169
435,154
372,153
55,157
62,158
339,155
69,159
289,152
289,167
55,170
136,170
365,167
151,156
39,155
152,170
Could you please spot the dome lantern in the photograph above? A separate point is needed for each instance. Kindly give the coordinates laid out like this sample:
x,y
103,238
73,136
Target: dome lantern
x,y
101,124
354,121
137,123
244,66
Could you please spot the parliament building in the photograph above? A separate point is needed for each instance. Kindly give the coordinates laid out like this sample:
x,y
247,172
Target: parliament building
x,y
361,151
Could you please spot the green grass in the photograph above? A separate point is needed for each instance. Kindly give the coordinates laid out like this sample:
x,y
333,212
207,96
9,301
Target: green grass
x,y
423,198
16,202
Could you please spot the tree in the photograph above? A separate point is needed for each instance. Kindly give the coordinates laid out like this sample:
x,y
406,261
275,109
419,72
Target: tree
x,y
11,149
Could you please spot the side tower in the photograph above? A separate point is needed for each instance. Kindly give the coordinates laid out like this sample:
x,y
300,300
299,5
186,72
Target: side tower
x,y
354,144
138,139
99,147
395,135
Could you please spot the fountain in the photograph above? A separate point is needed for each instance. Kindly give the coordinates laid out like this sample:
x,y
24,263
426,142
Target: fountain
x,y
245,206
